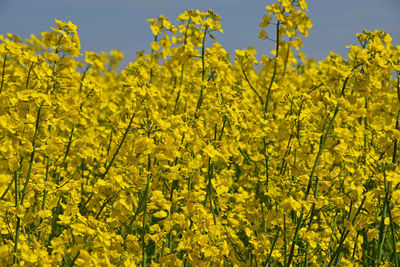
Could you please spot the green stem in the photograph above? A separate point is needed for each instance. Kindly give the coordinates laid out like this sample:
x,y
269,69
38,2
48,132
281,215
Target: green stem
x,y
393,236
32,154
287,152
306,256
251,86
108,199
203,73
29,75
355,247
209,188
15,258
63,163
366,125
144,260
44,193
345,234
322,143
382,227
182,68
152,57
16,189
2,75
266,157
284,240
272,247
223,127
275,69
397,122
68,146
119,146
9,186
321,147
178,95
296,234
21,202
394,157
286,60
83,77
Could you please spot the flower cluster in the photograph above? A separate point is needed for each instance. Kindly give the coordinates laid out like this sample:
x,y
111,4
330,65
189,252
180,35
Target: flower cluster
x,y
191,157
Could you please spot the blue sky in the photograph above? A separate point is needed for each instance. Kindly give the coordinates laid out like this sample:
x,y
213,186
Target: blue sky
x,y
104,25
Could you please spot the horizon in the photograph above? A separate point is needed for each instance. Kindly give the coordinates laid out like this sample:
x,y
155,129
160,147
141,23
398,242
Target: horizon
x,y
104,25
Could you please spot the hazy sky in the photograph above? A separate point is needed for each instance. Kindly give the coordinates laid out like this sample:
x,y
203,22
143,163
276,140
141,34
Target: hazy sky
x,y
104,25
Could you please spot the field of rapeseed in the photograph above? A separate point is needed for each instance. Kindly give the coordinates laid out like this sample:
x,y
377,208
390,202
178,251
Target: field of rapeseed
x,y
194,157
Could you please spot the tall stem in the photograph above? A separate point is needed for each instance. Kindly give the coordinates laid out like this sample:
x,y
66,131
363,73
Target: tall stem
x,y
146,194
32,153
203,73
2,74
182,67
275,69
119,146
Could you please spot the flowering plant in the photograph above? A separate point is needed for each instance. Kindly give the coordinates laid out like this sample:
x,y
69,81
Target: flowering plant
x,y
192,157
